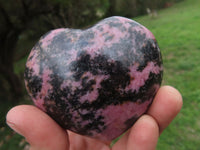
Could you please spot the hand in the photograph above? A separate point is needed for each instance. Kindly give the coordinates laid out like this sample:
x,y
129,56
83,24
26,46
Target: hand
x,y
43,133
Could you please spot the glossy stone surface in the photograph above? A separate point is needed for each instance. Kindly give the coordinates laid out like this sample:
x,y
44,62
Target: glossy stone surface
x,y
96,82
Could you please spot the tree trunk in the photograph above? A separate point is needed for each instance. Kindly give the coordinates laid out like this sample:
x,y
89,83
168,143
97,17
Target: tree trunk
x,y
8,43
13,80
111,10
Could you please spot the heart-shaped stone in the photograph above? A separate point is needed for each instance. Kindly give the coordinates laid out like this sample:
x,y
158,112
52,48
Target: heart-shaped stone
x,y
98,81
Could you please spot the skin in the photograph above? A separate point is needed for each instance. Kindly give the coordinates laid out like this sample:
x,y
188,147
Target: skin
x,y
43,133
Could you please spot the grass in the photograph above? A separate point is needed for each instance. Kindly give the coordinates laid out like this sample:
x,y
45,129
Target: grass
x,y
177,31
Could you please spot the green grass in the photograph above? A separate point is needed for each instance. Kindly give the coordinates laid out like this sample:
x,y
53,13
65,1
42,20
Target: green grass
x,y
177,31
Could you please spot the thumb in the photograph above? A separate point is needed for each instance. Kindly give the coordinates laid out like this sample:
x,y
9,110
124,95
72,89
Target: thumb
x,y
38,128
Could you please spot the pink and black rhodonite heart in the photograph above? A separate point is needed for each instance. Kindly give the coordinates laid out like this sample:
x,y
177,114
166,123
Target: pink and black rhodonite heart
x,y
98,81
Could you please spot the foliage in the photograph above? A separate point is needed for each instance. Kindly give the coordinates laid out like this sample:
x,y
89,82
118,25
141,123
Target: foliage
x,y
27,20
15,20
133,8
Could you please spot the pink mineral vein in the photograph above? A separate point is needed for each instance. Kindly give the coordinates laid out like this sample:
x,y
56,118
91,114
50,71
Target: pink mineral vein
x,y
93,95
139,78
33,63
101,40
46,87
48,39
116,115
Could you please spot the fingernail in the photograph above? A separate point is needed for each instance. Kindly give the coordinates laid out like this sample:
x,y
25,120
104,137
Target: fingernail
x,y
14,127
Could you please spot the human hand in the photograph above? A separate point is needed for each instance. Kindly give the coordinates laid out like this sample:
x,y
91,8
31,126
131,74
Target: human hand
x,y
43,133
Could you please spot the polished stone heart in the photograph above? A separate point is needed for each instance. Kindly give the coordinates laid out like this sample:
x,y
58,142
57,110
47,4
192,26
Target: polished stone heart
x,y
98,81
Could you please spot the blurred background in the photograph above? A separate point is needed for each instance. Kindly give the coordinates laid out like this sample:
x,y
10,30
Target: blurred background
x,y
175,24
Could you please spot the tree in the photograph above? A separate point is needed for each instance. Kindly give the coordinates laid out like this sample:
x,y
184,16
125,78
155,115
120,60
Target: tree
x,y
15,20
32,19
